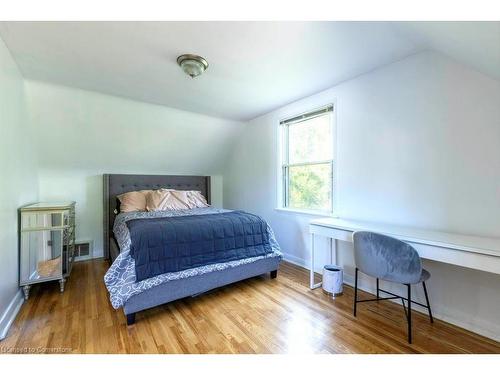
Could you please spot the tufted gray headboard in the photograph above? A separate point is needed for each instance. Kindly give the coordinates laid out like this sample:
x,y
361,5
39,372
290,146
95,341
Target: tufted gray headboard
x,y
116,184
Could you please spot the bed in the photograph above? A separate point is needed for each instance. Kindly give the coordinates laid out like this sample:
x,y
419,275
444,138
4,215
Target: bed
x,y
134,291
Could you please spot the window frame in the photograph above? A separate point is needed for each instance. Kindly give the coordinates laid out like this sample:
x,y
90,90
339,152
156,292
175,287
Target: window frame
x,y
284,164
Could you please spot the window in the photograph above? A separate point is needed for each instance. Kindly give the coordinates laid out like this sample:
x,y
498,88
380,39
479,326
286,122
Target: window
x,y
307,161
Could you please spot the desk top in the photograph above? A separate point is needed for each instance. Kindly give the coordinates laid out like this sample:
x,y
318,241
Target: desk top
x,y
476,244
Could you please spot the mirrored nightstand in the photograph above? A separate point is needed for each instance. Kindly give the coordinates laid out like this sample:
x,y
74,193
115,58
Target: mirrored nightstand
x,y
47,243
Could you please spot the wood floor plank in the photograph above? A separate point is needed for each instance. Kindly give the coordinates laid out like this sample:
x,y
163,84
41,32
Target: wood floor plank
x,y
259,315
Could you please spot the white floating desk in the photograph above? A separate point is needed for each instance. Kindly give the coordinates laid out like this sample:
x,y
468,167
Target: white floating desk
x,y
480,253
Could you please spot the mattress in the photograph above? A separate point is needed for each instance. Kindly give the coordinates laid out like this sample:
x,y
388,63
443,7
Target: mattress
x,y
121,280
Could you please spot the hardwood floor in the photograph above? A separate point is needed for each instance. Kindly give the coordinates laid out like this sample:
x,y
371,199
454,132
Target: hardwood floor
x,y
258,315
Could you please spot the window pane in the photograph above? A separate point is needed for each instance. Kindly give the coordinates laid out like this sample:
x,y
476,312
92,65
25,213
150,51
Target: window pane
x,y
310,140
310,186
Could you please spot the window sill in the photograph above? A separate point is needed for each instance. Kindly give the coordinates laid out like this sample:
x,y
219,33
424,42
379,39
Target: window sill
x,y
297,211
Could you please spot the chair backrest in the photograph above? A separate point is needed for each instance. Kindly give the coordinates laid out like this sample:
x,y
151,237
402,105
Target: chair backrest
x,y
386,258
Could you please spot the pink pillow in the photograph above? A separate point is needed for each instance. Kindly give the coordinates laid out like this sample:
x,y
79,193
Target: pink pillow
x,y
166,199
133,201
170,199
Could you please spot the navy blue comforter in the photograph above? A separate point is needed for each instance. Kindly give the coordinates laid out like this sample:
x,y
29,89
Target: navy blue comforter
x,y
171,244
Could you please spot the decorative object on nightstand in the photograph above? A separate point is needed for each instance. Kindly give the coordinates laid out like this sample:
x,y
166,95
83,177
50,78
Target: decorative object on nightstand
x,y
47,243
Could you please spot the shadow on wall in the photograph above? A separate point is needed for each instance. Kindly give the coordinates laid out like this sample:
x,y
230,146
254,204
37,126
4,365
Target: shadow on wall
x,y
91,213
292,234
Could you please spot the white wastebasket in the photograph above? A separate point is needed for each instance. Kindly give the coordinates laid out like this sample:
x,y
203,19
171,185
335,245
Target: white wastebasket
x,y
333,280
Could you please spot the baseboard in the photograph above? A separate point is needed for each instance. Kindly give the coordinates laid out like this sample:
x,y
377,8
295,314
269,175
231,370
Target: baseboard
x,y
295,260
10,313
483,329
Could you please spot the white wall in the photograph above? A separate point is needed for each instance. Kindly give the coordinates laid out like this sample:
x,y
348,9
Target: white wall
x,y
18,181
81,134
419,145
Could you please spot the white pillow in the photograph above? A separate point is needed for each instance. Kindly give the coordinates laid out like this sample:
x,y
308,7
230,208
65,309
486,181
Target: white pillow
x,y
195,199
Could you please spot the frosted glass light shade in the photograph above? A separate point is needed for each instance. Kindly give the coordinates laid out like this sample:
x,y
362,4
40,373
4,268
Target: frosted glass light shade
x,y
192,65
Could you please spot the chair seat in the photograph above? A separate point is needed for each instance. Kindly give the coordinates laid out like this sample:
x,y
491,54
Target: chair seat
x,y
425,275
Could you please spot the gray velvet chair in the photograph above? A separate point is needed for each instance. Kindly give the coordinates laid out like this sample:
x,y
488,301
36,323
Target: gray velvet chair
x,y
387,258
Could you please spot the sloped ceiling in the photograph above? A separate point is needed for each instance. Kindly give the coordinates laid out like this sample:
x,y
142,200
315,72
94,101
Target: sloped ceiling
x,y
476,44
255,67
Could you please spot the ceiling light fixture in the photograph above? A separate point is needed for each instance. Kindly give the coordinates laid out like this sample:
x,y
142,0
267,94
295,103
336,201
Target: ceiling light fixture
x,y
192,65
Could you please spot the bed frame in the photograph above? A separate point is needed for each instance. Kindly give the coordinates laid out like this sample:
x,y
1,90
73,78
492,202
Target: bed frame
x,y
116,184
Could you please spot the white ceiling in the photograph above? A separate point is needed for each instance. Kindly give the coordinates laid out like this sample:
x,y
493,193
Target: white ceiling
x,y
255,67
